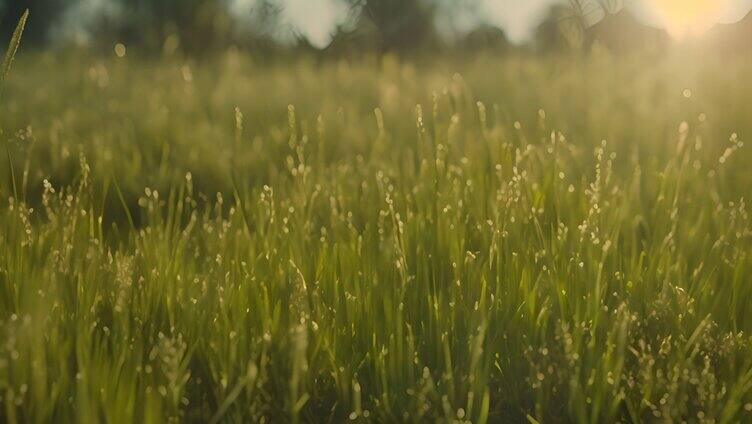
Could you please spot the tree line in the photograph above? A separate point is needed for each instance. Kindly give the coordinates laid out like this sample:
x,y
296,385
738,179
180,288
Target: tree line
x,y
198,26
401,27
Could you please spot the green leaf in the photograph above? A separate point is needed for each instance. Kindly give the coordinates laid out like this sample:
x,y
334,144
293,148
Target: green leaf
x,y
15,41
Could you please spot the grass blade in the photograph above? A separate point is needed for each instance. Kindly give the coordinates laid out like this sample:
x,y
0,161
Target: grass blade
x,y
10,54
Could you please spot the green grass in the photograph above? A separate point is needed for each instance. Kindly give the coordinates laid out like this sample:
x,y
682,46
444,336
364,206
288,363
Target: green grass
x,y
541,240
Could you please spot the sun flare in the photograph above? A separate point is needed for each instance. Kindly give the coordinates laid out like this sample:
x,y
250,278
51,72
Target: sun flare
x,y
683,18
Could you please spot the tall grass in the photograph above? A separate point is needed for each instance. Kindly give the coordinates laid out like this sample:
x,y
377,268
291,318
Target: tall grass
x,y
539,243
10,54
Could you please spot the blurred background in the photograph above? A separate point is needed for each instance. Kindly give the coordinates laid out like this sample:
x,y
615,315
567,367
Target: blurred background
x,y
336,28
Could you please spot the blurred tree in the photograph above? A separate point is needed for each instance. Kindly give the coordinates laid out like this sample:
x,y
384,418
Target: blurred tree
x,y
397,25
360,39
44,15
560,29
194,26
487,38
622,33
585,23
401,26
258,26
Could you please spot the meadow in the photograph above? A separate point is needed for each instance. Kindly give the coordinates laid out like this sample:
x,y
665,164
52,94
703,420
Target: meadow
x,y
519,239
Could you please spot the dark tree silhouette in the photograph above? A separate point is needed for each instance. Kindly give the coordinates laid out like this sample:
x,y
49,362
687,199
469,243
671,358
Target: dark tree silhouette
x,y
623,33
402,26
586,22
485,37
197,26
561,29
258,26
397,25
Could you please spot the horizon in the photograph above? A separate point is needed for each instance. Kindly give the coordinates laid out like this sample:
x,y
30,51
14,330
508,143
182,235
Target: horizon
x,y
519,20
317,21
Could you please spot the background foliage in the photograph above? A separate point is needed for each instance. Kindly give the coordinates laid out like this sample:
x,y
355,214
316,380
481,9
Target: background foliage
x,y
411,28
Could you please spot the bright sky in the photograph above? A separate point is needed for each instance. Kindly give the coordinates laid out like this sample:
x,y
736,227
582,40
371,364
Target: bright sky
x,y
317,18
518,18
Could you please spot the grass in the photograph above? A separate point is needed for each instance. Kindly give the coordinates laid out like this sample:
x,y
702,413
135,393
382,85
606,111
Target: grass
x,y
540,240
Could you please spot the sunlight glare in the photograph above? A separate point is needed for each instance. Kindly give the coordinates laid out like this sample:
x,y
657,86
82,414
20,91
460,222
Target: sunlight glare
x,y
683,18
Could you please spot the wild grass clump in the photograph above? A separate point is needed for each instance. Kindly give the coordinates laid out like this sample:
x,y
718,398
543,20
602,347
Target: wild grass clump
x,y
540,243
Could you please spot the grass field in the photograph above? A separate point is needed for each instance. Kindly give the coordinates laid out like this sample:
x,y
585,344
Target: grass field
x,y
539,240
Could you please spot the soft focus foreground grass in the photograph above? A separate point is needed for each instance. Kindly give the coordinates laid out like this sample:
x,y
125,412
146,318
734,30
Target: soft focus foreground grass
x,y
561,241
